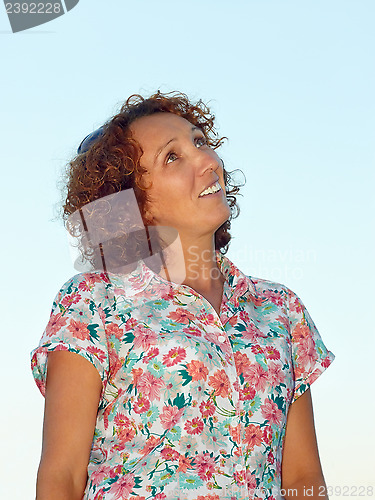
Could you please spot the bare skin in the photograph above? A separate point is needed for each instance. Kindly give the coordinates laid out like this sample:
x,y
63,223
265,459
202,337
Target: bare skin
x,y
301,467
71,404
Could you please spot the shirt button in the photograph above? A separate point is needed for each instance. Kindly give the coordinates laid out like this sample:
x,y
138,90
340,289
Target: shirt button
x,y
221,338
238,467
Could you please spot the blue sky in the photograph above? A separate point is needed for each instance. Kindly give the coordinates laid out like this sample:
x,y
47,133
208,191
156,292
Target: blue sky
x,y
292,86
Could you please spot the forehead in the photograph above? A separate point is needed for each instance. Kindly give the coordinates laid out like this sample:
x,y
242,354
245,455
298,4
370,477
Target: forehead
x,y
151,131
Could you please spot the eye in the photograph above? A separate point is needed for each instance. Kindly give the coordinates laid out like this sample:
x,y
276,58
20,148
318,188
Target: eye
x,y
200,141
171,157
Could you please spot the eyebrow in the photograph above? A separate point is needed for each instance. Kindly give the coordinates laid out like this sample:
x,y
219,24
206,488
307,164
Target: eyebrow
x,y
193,129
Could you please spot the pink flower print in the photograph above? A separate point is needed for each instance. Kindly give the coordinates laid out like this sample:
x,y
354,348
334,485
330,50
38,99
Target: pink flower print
x,y
130,324
208,497
241,289
68,300
267,435
115,330
235,433
174,356
98,353
194,426
123,486
326,362
102,314
151,443
181,315
244,317
122,420
115,362
220,383
170,416
184,463
274,296
197,370
85,286
233,321
242,361
284,321
136,373
307,354
160,496
251,482
193,330
275,375
271,412
207,408
144,337
295,305
55,323
253,436
149,386
240,477
206,319
256,349
169,453
256,376
299,371
257,301
167,293
141,405
79,330
271,352
151,353
125,434
205,465
100,474
247,392
301,332
251,332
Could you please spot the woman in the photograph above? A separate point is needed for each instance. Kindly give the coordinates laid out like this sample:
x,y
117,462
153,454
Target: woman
x,y
192,379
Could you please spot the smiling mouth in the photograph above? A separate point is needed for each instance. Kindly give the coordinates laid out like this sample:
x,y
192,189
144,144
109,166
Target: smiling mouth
x,y
211,190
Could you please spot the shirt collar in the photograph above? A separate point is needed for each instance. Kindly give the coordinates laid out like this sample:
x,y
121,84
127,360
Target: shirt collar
x,y
139,279
239,285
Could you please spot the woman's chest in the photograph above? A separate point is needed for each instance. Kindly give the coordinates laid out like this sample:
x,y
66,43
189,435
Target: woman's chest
x,y
185,340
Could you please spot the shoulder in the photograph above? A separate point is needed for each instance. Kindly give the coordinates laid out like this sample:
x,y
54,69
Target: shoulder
x,y
83,286
261,290
267,290
85,281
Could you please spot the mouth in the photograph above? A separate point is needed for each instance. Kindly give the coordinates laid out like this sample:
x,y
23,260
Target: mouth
x,y
215,188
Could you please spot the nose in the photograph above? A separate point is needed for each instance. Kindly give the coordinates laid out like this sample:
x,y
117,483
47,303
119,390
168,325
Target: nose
x,y
207,160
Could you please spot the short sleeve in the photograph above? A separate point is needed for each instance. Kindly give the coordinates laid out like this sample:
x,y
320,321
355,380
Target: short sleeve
x,y
76,326
310,356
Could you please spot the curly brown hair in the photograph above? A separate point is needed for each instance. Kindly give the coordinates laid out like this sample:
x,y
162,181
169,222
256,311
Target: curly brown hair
x,y
111,163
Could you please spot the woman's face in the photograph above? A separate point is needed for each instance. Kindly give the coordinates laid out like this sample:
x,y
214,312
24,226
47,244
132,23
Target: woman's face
x,y
180,166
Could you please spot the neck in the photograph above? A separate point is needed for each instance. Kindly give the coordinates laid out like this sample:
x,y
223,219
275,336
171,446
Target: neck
x,y
193,263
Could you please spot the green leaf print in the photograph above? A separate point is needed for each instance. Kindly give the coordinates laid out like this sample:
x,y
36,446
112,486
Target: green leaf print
x,y
92,329
185,376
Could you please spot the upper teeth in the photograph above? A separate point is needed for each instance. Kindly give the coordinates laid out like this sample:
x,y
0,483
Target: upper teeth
x,y
212,189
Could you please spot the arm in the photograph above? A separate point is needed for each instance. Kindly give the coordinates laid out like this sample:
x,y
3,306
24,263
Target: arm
x,y
301,468
71,403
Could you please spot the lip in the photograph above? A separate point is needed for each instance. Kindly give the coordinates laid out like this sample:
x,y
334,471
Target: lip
x,y
210,185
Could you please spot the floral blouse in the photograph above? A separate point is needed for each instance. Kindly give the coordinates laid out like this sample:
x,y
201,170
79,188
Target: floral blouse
x,y
194,405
